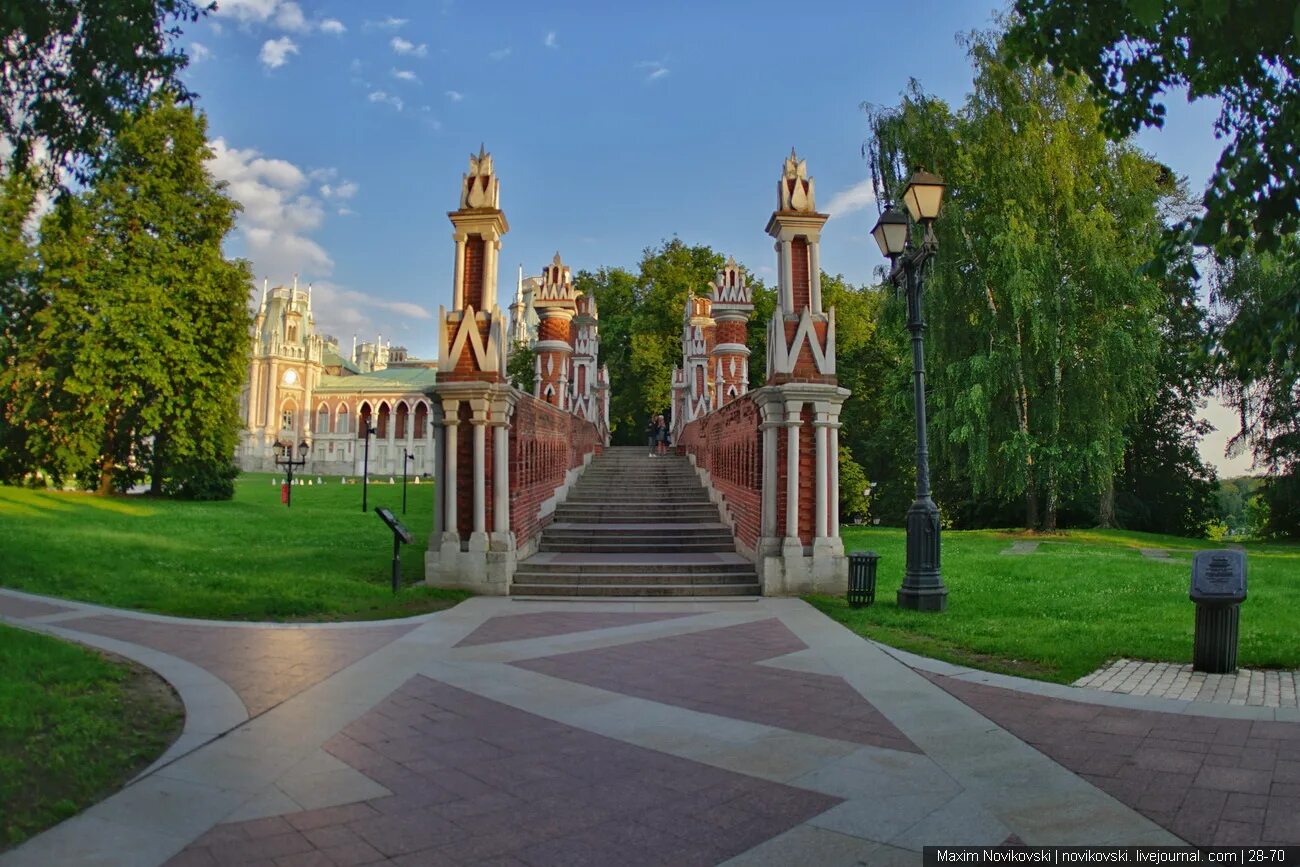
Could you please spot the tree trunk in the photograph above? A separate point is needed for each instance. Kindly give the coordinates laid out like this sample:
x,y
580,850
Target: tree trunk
x,y
1106,506
1031,503
1049,513
106,478
157,467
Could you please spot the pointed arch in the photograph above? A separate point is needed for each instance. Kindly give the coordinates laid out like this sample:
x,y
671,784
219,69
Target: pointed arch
x,y
289,415
401,417
384,412
322,419
364,416
422,429
341,418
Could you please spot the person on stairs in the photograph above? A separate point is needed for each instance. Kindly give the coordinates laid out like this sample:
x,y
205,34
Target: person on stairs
x,y
651,434
661,438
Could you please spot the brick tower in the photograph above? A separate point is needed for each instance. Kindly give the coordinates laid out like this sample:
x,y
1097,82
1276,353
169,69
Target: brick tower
x,y
556,305
733,302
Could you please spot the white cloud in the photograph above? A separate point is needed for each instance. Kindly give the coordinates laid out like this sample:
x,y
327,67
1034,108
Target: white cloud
x,y
455,95
345,212
851,199
405,75
500,53
389,23
288,16
278,215
408,48
340,310
247,11
345,190
550,41
275,52
656,69
199,52
392,99
332,26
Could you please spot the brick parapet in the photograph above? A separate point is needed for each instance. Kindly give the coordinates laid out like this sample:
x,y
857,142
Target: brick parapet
x,y
545,444
726,444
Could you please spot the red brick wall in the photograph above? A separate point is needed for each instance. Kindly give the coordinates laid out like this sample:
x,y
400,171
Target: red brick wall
x,y
465,473
731,331
473,275
799,273
728,443
807,477
545,442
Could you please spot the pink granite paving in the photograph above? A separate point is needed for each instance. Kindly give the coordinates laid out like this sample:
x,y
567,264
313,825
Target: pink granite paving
x,y
263,665
714,671
1211,781
479,782
12,606
518,627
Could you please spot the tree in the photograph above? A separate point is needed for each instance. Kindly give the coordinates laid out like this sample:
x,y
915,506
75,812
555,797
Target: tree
x,y
1245,53
1259,360
521,369
1041,339
139,347
75,70
17,270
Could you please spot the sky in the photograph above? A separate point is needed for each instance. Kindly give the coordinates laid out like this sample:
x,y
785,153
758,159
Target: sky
x,y
344,129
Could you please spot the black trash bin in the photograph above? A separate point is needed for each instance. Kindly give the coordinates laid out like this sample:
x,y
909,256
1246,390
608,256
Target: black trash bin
x,y
862,578
1218,589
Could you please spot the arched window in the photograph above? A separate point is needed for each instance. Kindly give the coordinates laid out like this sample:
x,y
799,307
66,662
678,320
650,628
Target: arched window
x,y
363,420
323,419
288,416
422,429
341,419
383,422
400,430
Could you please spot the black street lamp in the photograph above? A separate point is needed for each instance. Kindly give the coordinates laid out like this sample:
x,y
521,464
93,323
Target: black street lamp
x,y
365,466
284,458
923,588
407,457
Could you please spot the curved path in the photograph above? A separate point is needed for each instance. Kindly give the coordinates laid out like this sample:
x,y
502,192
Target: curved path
x,y
539,733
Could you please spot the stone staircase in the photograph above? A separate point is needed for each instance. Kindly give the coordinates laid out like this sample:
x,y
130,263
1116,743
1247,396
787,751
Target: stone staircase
x,y
634,525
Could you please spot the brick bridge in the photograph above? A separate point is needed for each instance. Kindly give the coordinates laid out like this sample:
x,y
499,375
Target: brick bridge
x,y
532,502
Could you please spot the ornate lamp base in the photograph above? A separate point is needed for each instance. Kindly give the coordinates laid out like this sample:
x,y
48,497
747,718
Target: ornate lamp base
x,y
923,588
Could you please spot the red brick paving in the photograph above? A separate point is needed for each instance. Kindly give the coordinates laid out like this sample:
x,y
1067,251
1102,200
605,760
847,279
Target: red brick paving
x,y
714,671
517,627
1209,780
264,666
479,782
12,606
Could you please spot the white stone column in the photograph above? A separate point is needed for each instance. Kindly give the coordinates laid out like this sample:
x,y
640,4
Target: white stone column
x,y
769,478
451,521
491,256
814,276
823,475
835,476
435,414
500,477
793,421
480,472
458,275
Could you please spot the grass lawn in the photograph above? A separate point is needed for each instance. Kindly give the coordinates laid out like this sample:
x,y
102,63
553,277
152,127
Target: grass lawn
x,y
1083,598
245,559
74,726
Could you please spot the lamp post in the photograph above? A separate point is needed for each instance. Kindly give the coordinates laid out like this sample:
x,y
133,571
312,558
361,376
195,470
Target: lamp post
x,y
365,465
284,458
923,588
407,457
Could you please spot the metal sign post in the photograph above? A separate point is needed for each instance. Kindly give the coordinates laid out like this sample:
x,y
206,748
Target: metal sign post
x,y
400,535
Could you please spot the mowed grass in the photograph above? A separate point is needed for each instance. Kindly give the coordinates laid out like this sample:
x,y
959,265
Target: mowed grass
x,y
250,558
74,726
1083,598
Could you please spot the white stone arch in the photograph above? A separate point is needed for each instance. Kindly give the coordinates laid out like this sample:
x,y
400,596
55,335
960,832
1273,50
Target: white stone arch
x,y
289,415
322,419
342,418
401,419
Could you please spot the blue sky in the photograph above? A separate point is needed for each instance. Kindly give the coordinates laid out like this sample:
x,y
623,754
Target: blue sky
x,y
344,129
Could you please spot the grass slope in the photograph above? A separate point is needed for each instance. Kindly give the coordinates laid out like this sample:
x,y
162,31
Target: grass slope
x,y
74,726
250,558
1084,597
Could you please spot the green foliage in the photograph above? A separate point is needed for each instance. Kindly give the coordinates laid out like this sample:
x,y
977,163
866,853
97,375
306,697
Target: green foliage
x,y
72,69
854,490
198,479
522,367
1237,505
1246,54
1041,337
137,348
1279,507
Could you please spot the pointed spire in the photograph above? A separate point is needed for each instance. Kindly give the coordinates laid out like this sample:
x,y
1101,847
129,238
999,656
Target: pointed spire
x,y
295,281
265,285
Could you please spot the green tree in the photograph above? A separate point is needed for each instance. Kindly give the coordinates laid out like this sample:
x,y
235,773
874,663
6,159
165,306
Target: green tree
x,y
1245,53
17,302
1258,339
139,348
74,70
1041,335
521,369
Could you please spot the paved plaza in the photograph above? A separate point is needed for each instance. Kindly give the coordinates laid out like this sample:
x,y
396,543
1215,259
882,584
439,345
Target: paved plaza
x,y
744,732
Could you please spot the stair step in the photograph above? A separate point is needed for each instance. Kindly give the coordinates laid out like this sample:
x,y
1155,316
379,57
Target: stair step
x,y
607,578
636,590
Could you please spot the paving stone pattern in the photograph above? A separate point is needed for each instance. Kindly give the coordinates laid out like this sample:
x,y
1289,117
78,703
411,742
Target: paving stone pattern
x,y
518,627
475,781
714,671
264,666
1211,781
1170,680
12,606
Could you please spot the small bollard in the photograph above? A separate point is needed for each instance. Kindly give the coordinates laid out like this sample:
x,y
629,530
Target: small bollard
x,y
1218,589
862,578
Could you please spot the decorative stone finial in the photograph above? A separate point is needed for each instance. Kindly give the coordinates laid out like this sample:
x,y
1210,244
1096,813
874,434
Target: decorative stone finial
x,y
795,189
480,188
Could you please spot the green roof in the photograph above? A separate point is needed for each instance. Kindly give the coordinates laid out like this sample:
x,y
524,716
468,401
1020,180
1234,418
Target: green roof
x,y
388,381
332,358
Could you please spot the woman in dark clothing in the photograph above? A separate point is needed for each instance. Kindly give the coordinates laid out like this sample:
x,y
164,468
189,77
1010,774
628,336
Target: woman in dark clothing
x,y
651,434
661,435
